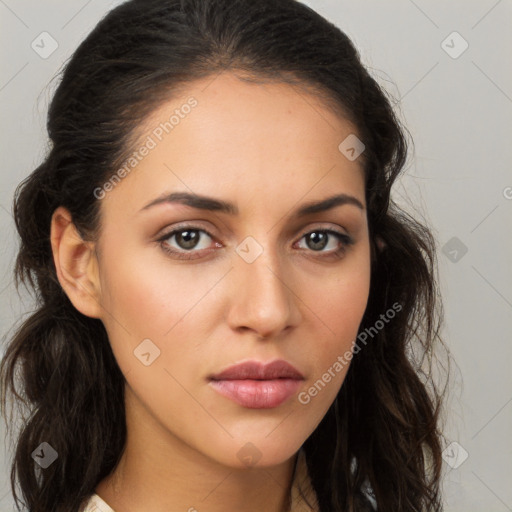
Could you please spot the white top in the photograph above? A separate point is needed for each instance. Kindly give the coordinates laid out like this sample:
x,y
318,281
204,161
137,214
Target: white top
x,y
96,504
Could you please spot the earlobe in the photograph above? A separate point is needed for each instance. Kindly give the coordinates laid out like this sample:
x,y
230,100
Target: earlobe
x,y
76,264
377,247
381,244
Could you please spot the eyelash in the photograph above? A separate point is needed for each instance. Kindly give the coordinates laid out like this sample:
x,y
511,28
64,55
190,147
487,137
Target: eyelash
x,y
345,240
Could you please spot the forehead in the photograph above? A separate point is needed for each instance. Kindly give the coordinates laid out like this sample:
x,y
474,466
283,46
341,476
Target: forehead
x,y
224,136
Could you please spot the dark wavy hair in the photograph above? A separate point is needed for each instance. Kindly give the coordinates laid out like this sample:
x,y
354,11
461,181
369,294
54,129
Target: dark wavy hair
x,y
381,436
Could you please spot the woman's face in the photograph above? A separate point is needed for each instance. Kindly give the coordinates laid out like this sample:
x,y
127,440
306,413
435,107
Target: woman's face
x,y
255,281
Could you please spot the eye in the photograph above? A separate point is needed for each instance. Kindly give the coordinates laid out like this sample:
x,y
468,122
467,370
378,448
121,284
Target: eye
x,y
191,239
320,239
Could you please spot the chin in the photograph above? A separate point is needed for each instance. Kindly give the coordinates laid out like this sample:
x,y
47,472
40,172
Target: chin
x,y
259,451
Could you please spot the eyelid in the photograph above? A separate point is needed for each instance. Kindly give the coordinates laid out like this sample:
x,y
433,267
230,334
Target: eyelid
x,y
179,228
186,225
328,229
176,228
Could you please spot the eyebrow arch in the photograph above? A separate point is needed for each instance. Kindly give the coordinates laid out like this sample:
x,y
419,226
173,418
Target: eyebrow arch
x,y
212,204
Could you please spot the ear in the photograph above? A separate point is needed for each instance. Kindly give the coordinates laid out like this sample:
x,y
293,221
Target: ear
x,y
76,264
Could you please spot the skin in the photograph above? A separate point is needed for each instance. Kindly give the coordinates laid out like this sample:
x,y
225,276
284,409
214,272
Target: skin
x,y
269,149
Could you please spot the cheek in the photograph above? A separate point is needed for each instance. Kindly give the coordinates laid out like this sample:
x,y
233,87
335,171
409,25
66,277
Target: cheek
x,y
131,292
156,300
340,313
341,300
145,297
137,304
337,310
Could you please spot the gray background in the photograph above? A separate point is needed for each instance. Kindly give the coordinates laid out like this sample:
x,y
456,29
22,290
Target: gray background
x,y
458,109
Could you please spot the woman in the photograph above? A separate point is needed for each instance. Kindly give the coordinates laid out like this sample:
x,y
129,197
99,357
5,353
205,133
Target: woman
x,y
228,298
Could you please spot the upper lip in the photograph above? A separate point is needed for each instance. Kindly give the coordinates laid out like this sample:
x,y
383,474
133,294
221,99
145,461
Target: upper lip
x,y
256,370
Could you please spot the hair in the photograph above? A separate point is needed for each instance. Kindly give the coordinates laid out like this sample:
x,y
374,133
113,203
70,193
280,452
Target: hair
x,y
380,438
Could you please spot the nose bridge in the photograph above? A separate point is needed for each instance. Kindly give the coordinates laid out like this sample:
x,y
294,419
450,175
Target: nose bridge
x,y
261,269
262,299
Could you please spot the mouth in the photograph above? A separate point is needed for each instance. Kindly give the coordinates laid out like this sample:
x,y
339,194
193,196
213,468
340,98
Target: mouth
x,y
256,385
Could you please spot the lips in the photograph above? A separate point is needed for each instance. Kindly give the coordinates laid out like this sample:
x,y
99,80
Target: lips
x,y
256,385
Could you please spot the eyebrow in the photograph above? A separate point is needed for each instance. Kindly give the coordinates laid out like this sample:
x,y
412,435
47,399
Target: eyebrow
x,y
209,203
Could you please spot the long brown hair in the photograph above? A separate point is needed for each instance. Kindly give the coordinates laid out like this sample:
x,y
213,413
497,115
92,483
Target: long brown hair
x,y
381,436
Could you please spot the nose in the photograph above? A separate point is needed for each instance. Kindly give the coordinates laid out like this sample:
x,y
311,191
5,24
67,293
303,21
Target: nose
x,y
263,300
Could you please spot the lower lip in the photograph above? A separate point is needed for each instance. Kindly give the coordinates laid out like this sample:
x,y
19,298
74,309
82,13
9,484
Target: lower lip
x,y
257,394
